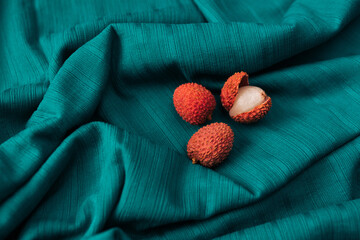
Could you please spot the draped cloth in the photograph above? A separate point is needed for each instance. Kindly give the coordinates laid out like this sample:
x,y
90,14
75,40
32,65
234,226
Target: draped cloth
x,y
91,145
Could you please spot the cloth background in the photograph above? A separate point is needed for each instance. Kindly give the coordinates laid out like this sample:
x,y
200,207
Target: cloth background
x,y
92,147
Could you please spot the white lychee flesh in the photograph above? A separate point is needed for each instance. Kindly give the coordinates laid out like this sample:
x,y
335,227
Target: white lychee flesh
x,y
248,98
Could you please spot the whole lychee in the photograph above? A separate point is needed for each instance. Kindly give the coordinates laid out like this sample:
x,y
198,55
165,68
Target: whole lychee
x,y
246,104
194,103
211,144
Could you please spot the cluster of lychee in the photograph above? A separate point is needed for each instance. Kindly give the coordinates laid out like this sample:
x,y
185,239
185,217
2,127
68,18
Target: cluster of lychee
x,y
212,144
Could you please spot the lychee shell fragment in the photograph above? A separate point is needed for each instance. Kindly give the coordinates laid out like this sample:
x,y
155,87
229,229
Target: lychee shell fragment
x,y
255,114
231,88
229,94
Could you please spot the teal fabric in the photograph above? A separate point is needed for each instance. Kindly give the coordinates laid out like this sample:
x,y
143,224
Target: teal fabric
x,y
92,147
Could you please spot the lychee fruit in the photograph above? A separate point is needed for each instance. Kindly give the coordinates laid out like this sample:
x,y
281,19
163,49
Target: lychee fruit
x,y
194,103
211,144
246,104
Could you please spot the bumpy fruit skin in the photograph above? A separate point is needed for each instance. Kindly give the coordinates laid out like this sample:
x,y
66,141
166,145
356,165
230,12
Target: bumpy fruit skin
x,y
194,103
255,114
211,144
228,96
231,88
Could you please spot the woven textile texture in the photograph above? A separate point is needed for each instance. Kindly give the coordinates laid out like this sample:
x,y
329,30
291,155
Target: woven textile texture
x,y
91,145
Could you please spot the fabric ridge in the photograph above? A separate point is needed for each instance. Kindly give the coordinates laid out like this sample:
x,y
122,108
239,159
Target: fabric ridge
x,y
91,145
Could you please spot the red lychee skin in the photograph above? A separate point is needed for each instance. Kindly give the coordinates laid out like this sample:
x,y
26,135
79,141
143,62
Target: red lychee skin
x,y
254,114
228,96
211,144
194,103
231,88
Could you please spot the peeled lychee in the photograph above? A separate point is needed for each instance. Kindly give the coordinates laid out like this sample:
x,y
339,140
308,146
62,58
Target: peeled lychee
x,y
211,144
194,103
246,104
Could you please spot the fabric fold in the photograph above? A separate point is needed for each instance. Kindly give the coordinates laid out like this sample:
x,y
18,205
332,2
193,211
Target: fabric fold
x,y
92,147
